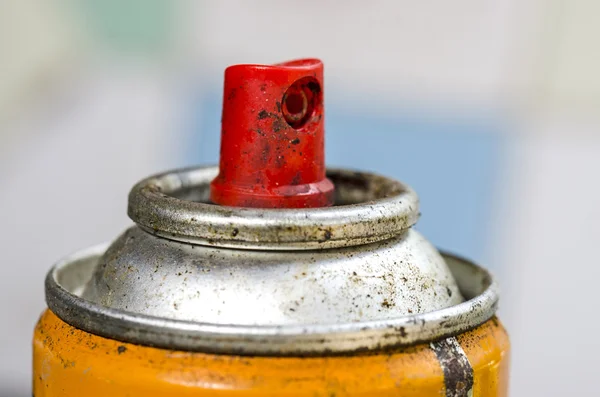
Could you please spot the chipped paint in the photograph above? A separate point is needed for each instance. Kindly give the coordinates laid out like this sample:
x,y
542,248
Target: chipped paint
x,y
408,372
458,373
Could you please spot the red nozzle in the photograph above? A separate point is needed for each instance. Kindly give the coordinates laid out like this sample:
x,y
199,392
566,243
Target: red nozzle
x,y
272,137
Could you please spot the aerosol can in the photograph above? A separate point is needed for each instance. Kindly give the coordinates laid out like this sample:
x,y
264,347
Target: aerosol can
x,y
270,275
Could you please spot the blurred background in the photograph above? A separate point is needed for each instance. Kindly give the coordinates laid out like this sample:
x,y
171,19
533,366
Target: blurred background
x,y
488,108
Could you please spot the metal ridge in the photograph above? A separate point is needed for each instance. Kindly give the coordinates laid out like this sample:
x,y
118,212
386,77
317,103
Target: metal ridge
x,y
67,279
174,205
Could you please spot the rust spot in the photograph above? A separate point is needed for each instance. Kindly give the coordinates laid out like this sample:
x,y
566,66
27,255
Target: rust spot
x,y
231,94
295,141
296,179
121,349
263,114
280,160
279,125
266,152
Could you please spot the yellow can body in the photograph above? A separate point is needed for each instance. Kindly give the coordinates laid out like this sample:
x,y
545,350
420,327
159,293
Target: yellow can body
x,y
68,362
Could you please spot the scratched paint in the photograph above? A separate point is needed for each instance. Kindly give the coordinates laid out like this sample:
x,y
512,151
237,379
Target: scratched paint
x,y
69,362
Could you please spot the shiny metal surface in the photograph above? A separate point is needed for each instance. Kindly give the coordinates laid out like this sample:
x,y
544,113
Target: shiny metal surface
x,y
145,274
195,276
67,280
368,208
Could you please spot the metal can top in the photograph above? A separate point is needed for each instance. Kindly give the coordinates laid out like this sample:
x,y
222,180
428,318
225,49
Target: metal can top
x,y
152,286
368,208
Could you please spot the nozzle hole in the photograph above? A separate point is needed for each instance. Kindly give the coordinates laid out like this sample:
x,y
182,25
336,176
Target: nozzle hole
x,y
296,104
300,102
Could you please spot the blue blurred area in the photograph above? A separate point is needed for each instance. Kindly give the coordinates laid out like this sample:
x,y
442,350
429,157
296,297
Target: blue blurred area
x,y
451,162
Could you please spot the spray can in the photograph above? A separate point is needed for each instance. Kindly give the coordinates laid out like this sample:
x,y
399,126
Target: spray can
x,y
270,276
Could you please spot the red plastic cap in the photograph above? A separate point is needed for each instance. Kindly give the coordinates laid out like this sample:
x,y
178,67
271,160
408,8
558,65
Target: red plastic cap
x,y
272,137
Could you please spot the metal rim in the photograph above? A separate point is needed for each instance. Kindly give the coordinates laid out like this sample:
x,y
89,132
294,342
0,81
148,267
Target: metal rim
x,y
475,283
386,208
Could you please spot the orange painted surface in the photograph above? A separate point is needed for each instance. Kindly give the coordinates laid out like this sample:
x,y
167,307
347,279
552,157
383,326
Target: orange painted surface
x,y
488,350
68,362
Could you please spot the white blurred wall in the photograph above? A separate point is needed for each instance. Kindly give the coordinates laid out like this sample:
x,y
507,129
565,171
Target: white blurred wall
x,y
402,50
